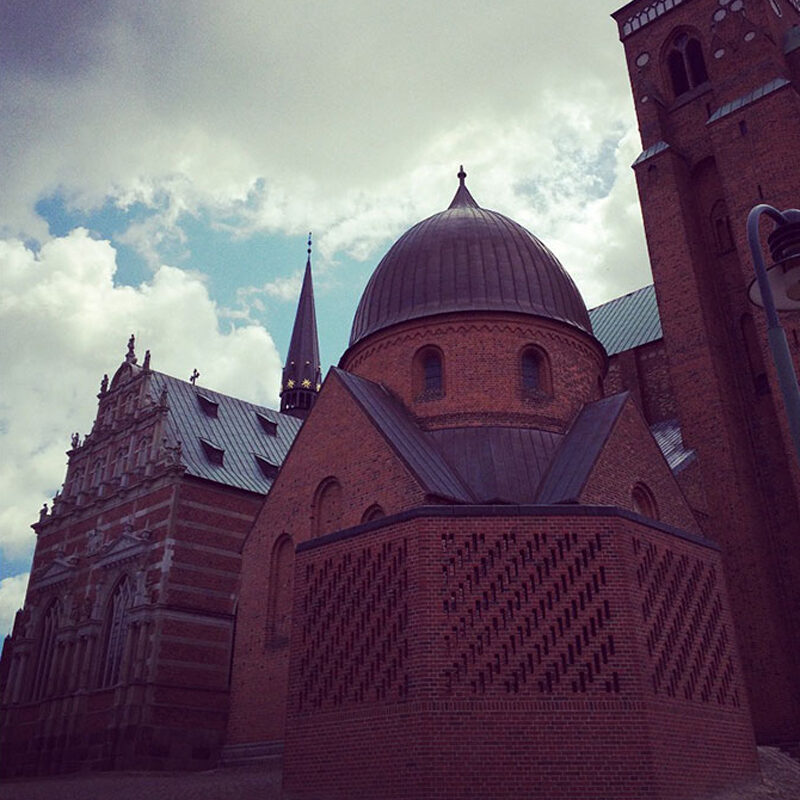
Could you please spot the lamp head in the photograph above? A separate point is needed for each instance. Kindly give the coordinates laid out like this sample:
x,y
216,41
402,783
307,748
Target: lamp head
x,y
784,274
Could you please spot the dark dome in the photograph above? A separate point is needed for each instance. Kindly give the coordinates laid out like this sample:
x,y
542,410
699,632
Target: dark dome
x,y
467,259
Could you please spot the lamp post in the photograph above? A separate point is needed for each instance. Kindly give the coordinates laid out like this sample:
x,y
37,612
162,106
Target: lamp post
x,y
778,288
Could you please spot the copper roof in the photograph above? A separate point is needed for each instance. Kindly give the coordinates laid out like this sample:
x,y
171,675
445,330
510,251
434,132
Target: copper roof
x,y
238,430
467,258
628,321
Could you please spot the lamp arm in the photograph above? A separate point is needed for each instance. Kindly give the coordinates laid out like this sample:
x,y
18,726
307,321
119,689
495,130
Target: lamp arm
x,y
787,378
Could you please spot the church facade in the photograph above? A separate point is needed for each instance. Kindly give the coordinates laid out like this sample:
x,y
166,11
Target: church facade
x,y
510,547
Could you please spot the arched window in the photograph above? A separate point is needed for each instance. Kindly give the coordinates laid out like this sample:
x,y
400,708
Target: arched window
x,y
141,452
373,512
686,65
535,373
47,650
118,464
97,472
279,605
117,619
643,501
327,516
428,373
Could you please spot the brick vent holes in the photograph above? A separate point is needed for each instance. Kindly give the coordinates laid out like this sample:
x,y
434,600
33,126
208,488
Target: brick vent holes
x,y
355,633
527,613
688,642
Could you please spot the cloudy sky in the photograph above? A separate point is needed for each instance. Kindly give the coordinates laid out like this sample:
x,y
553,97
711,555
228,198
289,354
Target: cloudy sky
x,y
162,163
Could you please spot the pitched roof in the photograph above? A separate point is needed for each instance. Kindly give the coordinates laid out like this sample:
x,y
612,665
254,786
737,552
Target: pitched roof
x,y
574,459
628,321
498,464
406,439
197,415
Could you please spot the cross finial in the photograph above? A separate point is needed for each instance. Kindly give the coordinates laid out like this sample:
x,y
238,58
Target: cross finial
x,y
194,376
130,356
461,175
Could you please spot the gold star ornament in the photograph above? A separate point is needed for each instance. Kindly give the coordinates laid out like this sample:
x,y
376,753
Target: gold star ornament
x,y
306,384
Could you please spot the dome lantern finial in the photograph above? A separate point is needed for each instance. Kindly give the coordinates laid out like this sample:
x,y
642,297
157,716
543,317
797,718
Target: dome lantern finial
x,y
462,198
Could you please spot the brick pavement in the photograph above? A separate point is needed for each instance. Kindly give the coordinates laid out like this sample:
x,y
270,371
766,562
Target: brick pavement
x,y
780,781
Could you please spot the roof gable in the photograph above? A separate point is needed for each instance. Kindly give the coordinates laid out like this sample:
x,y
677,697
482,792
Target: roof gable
x,y
395,424
579,451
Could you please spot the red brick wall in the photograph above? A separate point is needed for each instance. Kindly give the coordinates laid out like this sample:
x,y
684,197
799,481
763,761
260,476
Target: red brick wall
x,y
482,373
513,656
630,457
336,440
746,461
169,708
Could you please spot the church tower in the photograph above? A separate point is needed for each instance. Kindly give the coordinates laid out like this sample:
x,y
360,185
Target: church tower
x,y
715,85
301,375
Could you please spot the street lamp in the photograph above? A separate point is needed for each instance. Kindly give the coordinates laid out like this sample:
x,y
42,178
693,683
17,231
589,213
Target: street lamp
x,y
778,288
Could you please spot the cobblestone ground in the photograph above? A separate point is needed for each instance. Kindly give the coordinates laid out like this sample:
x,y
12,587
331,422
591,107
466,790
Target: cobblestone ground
x,y
780,781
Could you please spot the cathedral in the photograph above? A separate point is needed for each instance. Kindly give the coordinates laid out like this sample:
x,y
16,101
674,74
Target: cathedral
x,y
509,547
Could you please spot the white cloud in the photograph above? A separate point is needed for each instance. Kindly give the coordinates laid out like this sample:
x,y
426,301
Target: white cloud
x,y
12,596
351,117
65,323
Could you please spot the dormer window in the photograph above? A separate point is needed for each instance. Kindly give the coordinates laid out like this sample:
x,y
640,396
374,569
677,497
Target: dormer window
x,y
214,454
209,407
268,469
269,426
687,67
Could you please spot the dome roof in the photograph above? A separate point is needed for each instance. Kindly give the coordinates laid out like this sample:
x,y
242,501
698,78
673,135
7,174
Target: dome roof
x,y
467,259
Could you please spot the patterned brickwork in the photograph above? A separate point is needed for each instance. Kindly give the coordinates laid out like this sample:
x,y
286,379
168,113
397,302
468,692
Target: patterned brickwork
x,y
527,612
687,640
355,628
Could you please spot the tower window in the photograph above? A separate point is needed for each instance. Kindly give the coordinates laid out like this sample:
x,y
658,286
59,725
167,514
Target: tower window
x,y
686,65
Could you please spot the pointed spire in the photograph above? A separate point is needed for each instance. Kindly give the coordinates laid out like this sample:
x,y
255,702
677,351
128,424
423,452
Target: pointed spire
x,y
462,198
301,375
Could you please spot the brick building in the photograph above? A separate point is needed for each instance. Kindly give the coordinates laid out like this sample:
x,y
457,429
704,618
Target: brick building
x,y
517,549
120,657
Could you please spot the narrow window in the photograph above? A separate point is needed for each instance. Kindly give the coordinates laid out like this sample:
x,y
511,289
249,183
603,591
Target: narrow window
x,y
279,608
643,501
428,378
433,372
141,452
535,373
116,632
47,649
755,361
686,65
327,507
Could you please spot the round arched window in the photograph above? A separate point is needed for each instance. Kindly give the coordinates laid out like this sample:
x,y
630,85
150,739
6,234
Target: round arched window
x,y
428,371
535,373
643,501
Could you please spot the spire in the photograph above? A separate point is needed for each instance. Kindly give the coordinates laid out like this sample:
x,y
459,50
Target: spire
x,y
301,375
462,198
